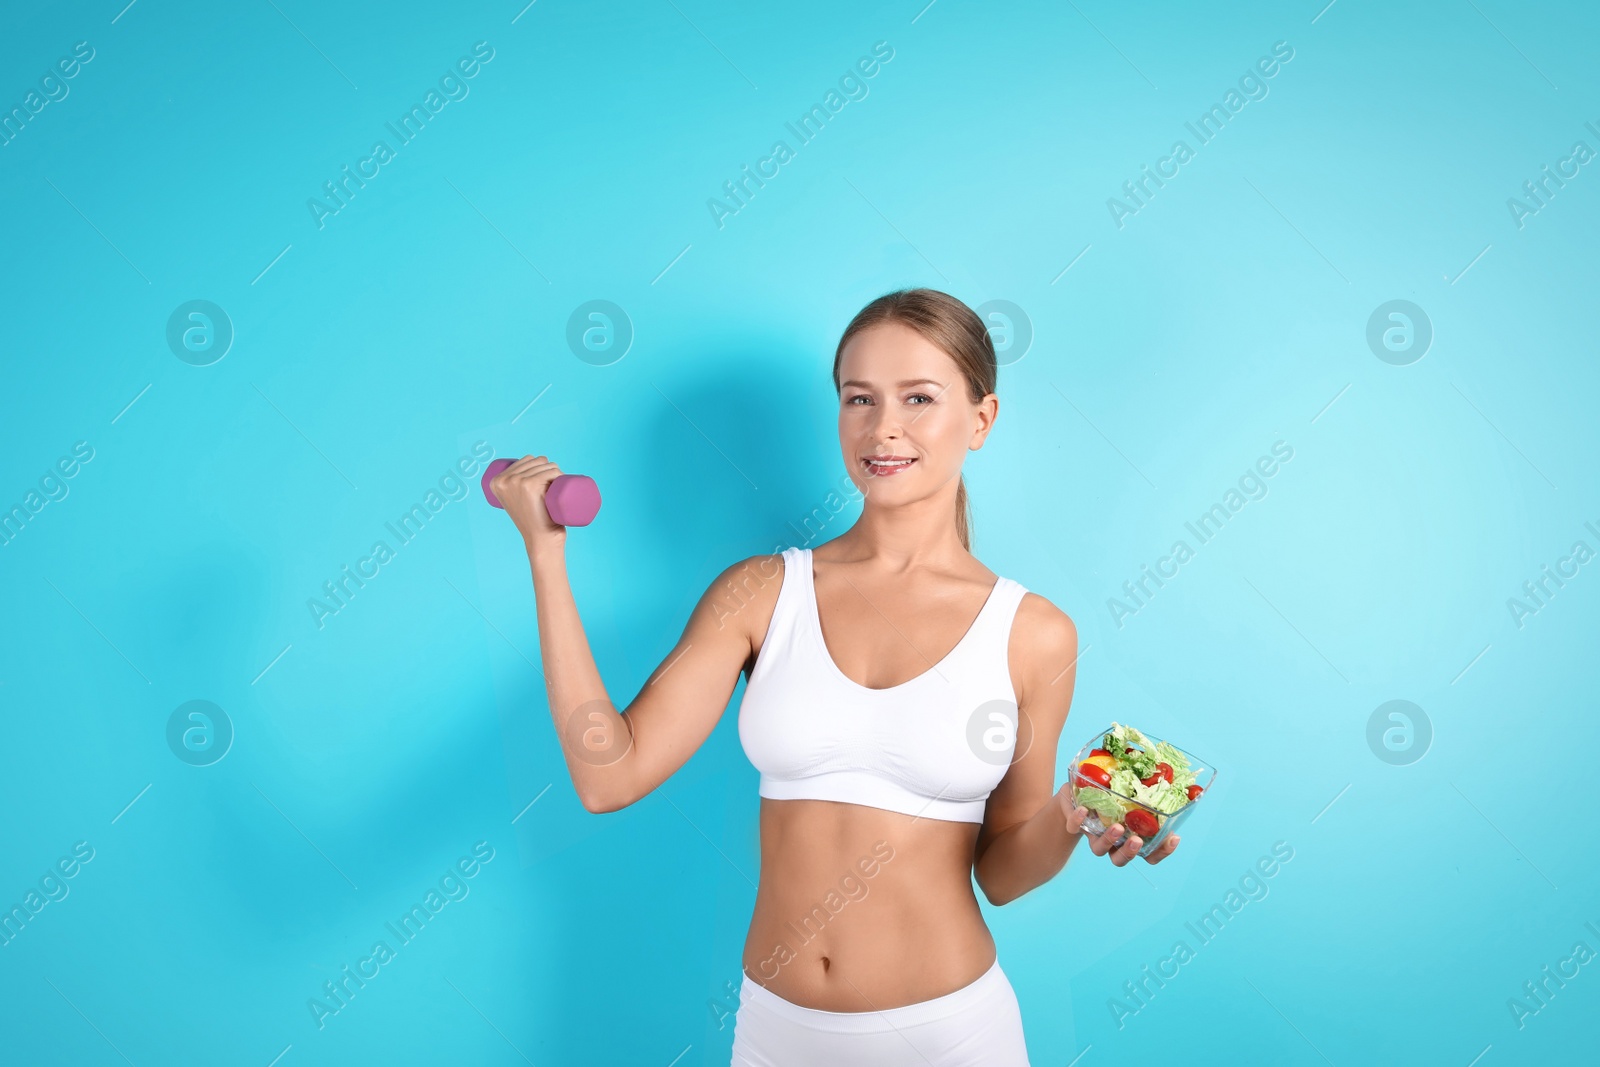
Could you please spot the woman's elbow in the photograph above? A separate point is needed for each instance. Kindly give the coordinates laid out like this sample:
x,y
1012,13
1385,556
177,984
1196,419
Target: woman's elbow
x,y
610,786
599,804
997,900
993,894
595,805
602,801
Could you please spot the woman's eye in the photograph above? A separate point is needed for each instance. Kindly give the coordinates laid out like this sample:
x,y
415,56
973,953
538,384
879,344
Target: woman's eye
x,y
864,397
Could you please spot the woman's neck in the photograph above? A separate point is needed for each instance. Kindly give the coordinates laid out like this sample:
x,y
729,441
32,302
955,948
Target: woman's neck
x,y
904,538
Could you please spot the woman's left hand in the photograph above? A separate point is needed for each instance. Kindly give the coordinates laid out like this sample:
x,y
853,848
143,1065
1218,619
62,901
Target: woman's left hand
x,y
1100,844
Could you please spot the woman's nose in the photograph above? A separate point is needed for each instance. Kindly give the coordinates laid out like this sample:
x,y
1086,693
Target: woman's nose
x,y
886,423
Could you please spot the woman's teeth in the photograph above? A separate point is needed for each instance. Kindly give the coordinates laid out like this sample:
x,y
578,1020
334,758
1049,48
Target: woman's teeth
x,y
884,468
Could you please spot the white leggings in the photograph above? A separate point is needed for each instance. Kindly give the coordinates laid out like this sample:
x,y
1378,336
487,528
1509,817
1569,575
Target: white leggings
x,y
979,1025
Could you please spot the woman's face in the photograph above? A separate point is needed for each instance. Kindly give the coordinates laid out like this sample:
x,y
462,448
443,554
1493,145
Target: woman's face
x,y
902,399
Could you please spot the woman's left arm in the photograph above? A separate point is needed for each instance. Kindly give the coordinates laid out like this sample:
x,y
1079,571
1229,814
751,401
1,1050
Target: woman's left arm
x,y
1029,828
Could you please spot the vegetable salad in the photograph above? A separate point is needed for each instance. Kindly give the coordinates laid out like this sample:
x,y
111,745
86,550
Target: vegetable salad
x,y
1153,773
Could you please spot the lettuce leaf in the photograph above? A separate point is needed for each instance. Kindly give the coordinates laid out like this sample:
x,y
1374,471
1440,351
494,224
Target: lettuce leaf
x,y
1126,735
1125,781
1171,756
1165,797
1182,776
1132,766
1103,804
1117,741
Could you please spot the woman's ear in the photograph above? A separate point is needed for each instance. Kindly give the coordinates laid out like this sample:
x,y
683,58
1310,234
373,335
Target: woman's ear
x,y
987,411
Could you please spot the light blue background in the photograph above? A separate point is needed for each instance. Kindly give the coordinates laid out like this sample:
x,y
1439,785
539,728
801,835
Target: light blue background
x,y
1228,314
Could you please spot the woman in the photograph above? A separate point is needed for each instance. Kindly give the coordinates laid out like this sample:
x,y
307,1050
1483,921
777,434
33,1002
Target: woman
x,y
903,706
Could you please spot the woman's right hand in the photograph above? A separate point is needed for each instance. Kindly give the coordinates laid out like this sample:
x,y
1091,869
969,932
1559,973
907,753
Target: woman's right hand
x,y
1101,844
521,487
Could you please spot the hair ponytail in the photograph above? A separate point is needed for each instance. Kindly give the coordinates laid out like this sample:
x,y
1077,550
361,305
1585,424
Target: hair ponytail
x,y
963,514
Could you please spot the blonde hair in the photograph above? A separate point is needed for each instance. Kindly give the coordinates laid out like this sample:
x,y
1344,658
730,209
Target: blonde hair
x,y
950,326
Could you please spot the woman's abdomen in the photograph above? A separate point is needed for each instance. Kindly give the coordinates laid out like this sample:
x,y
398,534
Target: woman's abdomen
x,y
860,908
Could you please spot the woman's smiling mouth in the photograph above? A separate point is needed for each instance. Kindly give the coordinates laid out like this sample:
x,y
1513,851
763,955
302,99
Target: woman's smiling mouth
x,y
886,466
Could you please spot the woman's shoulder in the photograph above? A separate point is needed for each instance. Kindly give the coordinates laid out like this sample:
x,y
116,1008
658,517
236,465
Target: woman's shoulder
x,y
1035,612
1042,630
743,596
751,572
1043,650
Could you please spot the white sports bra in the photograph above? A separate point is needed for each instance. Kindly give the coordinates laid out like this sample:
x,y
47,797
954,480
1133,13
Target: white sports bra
x,y
934,746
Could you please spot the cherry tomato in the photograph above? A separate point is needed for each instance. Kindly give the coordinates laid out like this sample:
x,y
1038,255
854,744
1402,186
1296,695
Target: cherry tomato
x,y
1141,823
1163,772
1195,791
1094,774
1100,752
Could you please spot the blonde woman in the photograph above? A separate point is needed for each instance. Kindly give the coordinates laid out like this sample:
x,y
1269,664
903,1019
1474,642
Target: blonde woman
x,y
903,708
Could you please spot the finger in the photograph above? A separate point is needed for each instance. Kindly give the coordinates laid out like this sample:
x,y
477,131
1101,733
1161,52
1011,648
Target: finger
x,y
1130,848
1074,813
1166,848
1100,844
509,475
1069,806
534,471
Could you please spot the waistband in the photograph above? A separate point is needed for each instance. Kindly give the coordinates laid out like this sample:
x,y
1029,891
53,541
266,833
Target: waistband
x,y
989,984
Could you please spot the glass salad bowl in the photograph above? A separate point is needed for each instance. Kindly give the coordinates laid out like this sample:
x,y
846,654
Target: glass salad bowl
x,y
1106,779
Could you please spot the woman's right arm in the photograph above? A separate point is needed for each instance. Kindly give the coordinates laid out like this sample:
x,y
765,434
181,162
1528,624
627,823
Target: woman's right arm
x,y
615,759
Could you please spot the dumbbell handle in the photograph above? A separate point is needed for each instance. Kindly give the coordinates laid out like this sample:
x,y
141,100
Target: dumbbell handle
x,y
571,499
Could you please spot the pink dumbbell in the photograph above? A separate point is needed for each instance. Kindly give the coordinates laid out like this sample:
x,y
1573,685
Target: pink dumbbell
x,y
571,500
